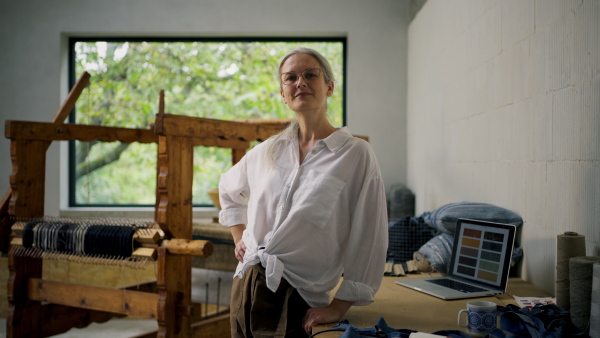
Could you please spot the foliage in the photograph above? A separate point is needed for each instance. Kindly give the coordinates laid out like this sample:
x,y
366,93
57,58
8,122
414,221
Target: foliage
x,y
219,80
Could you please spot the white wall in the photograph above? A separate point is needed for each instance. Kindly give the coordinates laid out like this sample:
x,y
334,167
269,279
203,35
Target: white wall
x,y
504,108
33,60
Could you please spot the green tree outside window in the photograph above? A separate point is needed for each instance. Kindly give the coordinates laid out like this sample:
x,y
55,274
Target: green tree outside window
x,y
219,80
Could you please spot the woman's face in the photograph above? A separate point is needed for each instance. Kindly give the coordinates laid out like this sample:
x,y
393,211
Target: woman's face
x,y
305,89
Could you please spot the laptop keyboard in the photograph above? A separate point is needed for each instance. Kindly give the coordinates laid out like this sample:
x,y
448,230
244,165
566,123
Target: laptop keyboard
x,y
449,283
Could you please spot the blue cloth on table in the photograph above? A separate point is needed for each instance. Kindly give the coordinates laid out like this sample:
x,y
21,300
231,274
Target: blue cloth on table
x,y
382,330
537,322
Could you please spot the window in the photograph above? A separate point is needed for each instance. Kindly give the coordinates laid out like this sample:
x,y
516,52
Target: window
x,y
214,78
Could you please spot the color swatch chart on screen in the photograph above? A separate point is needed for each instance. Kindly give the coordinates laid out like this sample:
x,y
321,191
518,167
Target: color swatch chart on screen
x,y
481,253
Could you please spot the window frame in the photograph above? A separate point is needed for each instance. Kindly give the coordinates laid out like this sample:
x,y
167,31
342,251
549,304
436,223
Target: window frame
x,y
72,203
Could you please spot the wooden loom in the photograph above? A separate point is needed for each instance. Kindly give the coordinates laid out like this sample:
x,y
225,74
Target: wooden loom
x,y
40,308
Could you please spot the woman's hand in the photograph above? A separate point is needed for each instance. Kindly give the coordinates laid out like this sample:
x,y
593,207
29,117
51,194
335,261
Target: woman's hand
x,y
332,313
240,248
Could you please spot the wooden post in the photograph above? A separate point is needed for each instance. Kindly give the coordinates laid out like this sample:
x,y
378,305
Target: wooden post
x,y
236,155
27,179
27,200
5,222
161,164
174,214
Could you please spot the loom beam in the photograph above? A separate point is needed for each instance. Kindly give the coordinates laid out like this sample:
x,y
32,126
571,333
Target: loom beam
x,y
147,239
125,302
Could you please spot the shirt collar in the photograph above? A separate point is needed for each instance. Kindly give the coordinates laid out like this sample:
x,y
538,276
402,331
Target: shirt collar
x,y
337,140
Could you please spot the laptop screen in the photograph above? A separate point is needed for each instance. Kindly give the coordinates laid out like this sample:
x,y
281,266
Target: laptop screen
x,y
482,252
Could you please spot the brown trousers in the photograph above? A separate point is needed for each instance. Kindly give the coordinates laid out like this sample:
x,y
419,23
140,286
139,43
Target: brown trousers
x,y
257,311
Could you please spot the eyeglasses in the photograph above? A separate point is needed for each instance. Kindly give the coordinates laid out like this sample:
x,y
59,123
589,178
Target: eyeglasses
x,y
309,75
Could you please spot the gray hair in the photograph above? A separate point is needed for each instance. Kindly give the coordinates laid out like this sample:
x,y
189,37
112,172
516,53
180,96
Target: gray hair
x,y
325,66
279,141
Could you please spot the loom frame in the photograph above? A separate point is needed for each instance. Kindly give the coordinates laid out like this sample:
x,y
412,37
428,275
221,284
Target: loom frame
x,y
39,308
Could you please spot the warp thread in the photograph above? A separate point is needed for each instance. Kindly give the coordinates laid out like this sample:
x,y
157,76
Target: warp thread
x,y
595,308
581,271
101,241
70,238
570,244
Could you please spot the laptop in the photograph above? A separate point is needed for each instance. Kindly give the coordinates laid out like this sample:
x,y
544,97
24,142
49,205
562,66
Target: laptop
x,y
479,266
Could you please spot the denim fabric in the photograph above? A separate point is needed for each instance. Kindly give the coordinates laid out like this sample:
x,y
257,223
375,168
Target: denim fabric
x,y
445,217
537,322
438,252
382,330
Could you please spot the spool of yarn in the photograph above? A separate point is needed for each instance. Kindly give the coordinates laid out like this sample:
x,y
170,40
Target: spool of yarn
x,y
568,245
581,271
595,308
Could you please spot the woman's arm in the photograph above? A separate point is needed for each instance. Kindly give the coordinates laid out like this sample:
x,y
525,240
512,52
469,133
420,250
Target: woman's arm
x,y
233,186
332,313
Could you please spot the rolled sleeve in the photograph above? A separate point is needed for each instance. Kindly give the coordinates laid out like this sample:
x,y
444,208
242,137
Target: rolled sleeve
x,y
233,194
233,216
360,294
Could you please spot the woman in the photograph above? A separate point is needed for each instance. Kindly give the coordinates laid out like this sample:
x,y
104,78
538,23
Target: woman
x,y
304,207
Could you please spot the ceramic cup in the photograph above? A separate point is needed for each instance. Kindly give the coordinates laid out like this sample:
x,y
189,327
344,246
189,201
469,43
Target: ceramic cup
x,y
481,318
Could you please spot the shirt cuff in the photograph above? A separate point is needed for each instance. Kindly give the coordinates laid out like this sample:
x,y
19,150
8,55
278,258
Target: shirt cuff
x,y
235,216
360,294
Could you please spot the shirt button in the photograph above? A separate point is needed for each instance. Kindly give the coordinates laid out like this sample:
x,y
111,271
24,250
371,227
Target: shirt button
x,y
314,152
280,206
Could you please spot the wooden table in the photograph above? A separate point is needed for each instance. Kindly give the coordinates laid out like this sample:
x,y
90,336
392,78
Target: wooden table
x,y
403,308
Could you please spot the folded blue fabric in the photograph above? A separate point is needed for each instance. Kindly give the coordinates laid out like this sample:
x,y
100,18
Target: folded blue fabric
x,y
445,218
438,251
382,330
537,322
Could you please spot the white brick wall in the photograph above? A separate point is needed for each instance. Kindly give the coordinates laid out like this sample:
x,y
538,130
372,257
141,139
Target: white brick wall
x,y
504,108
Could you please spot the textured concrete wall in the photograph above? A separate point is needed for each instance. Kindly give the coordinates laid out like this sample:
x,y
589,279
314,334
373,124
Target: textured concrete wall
x,y
504,108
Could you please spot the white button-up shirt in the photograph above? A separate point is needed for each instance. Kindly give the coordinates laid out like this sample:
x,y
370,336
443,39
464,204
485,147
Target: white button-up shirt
x,y
313,221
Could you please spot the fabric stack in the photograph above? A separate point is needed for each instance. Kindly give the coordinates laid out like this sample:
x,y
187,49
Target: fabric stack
x,y
424,243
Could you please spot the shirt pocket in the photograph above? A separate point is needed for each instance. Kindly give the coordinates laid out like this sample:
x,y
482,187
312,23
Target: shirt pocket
x,y
316,198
